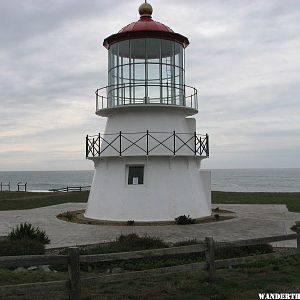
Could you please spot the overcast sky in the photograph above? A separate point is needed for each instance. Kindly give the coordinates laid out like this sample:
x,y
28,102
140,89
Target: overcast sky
x,y
244,58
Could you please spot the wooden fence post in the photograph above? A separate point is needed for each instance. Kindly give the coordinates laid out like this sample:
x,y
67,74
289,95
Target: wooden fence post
x,y
74,273
298,238
210,257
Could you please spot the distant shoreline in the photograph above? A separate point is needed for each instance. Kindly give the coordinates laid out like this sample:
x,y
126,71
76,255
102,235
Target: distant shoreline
x,y
229,180
19,201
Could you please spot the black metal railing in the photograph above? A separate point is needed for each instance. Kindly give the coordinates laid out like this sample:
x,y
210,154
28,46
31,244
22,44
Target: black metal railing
x,y
22,187
4,187
140,93
71,189
147,143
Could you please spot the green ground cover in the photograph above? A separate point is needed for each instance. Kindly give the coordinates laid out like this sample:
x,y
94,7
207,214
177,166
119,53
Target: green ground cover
x,y
292,200
243,282
237,283
27,200
22,200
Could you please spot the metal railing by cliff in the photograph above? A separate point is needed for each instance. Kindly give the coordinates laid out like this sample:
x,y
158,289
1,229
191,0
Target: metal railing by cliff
x,y
4,187
147,143
71,189
151,94
22,185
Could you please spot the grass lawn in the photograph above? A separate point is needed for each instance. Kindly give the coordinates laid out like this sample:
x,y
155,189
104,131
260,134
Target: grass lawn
x,y
238,283
27,200
292,200
22,200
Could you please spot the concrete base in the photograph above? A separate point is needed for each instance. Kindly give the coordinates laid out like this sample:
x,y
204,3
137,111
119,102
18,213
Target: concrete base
x,y
253,221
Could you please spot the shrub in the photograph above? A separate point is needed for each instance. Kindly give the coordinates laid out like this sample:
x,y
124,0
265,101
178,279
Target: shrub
x,y
25,231
124,243
217,216
130,222
142,242
294,228
184,220
21,247
69,216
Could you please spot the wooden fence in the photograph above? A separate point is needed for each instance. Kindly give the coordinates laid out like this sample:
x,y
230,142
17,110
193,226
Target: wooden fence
x,y
72,288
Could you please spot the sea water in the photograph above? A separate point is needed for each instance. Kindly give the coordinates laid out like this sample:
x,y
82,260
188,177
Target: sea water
x,y
234,180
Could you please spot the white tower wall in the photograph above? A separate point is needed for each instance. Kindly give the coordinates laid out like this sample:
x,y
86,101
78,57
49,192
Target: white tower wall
x,y
161,124
157,119
172,187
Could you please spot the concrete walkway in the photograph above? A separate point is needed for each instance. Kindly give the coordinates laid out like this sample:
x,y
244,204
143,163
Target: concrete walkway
x,y
253,221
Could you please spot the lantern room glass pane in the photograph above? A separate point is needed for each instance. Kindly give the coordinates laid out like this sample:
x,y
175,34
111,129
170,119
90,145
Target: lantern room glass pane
x,y
153,50
124,50
153,73
145,71
139,73
138,50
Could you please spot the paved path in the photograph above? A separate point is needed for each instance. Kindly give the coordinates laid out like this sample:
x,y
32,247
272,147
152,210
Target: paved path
x,y
252,221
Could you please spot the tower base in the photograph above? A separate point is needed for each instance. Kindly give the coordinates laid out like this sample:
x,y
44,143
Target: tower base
x,y
172,186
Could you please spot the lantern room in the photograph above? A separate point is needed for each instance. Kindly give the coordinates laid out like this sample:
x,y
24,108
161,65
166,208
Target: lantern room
x,y
146,66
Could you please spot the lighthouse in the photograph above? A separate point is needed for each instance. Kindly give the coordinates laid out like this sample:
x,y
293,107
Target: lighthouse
x,y
148,159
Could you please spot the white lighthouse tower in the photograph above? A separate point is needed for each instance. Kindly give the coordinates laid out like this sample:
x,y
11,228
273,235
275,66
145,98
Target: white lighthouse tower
x,y
147,162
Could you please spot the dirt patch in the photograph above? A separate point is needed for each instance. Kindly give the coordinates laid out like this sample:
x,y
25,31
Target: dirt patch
x,y
77,216
219,210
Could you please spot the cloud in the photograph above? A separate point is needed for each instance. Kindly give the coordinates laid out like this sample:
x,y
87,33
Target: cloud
x,y
243,58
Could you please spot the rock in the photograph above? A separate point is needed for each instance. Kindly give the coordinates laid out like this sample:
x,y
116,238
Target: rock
x,y
45,268
32,268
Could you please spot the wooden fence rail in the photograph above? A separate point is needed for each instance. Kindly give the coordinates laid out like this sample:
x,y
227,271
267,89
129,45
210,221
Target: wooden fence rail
x,y
32,260
258,241
198,248
230,262
72,287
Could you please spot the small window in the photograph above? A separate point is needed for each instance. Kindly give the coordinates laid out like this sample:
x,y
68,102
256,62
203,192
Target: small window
x,y
136,175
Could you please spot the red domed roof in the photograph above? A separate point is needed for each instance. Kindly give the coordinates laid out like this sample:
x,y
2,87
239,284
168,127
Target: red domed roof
x,y
145,27
146,24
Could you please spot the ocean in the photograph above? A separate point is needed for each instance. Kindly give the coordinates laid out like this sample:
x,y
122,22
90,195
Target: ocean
x,y
231,180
